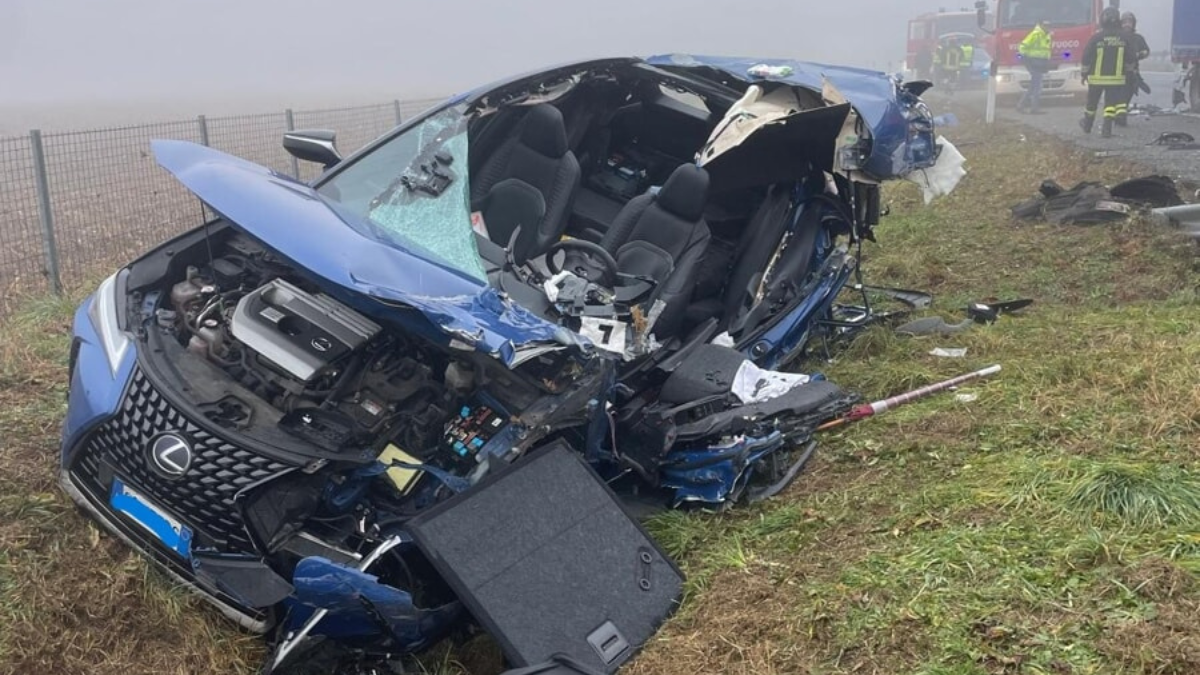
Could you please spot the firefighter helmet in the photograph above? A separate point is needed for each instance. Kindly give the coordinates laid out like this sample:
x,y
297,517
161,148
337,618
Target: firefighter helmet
x,y
1110,18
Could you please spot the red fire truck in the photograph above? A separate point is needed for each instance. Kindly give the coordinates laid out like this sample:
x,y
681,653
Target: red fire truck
x,y
925,30
1071,24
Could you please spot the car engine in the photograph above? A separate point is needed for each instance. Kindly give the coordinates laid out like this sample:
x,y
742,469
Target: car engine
x,y
339,379
302,334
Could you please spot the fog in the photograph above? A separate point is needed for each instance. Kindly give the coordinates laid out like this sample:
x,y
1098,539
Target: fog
x,y
83,60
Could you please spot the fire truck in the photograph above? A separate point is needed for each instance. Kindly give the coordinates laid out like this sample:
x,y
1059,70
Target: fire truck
x,y
1071,24
926,30
1185,50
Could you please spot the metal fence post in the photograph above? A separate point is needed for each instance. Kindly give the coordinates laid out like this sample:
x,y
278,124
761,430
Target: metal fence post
x,y
203,124
399,117
49,245
291,126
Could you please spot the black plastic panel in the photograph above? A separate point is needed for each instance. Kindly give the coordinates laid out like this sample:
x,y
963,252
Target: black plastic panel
x,y
548,562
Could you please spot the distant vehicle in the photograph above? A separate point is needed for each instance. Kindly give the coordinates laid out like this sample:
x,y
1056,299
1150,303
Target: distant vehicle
x,y
1071,23
1185,50
925,30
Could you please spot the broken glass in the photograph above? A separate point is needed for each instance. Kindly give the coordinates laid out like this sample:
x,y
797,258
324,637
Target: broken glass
x,y
415,192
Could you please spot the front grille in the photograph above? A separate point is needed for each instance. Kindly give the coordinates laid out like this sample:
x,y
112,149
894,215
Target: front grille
x,y
203,498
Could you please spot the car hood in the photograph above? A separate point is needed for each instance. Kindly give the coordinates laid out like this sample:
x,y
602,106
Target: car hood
x,y
290,217
901,125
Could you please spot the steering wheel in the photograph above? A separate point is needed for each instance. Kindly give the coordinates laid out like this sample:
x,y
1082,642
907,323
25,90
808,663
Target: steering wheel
x,y
601,267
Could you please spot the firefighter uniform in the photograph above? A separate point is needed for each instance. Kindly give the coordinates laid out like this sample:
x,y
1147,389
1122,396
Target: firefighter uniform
x,y
1138,50
1104,61
949,60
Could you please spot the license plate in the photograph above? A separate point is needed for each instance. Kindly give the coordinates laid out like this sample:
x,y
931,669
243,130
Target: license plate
x,y
173,534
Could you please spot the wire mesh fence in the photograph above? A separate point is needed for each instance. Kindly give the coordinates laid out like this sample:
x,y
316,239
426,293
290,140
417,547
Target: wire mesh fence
x,y
77,204
22,261
108,197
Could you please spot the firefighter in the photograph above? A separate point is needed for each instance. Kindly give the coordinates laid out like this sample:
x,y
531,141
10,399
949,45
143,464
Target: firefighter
x,y
1035,52
950,62
968,55
1138,50
1104,72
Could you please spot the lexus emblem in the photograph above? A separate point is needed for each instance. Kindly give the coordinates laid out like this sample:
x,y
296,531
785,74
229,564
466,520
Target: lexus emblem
x,y
171,455
322,344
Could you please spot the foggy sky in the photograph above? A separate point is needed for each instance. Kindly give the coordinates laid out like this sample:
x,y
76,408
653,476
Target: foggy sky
x,y
303,52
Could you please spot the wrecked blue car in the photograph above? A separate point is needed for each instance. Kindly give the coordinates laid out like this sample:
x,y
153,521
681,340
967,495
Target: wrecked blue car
x,y
407,400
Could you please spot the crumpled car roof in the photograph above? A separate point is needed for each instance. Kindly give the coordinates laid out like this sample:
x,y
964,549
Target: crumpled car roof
x,y
876,96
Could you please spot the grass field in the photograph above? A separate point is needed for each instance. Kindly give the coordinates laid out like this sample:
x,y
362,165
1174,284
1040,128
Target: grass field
x,y
1049,526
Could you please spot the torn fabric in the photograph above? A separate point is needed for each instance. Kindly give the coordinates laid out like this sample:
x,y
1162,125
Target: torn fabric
x,y
940,179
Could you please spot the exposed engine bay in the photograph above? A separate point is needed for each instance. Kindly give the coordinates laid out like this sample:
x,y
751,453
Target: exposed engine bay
x,y
332,377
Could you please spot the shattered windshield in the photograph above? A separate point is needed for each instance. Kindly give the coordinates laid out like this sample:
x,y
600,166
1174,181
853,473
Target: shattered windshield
x,y
1027,13
413,192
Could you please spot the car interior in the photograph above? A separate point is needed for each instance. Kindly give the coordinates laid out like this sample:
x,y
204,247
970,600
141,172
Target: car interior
x,y
612,163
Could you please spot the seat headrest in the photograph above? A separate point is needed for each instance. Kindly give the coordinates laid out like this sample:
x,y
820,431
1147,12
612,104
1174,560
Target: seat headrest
x,y
543,131
685,193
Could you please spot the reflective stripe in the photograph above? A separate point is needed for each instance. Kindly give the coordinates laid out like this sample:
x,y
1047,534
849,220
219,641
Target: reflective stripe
x,y
1108,74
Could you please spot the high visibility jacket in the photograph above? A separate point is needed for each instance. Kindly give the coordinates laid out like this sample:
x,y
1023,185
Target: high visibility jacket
x,y
1036,45
952,58
968,54
1104,59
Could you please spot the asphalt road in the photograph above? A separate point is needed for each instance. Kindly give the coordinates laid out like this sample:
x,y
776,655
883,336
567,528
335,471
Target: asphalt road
x,y
1134,142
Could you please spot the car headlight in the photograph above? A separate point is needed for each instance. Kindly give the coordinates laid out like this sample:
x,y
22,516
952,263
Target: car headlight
x,y
103,314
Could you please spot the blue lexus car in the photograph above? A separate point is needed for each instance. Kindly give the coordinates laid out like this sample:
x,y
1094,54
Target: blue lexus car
x,y
619,256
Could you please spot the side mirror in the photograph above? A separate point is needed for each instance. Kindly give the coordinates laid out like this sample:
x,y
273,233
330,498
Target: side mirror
x,y
316,145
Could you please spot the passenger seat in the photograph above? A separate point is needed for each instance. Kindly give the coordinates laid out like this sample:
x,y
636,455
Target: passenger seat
x,y
664,237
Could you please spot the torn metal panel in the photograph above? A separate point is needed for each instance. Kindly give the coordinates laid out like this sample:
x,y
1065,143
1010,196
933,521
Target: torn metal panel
x,y
900,125
767,141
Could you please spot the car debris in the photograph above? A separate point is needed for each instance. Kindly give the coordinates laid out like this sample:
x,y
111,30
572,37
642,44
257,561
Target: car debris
x,y
1090,202
913,299
948,352
861,412
585,282
990,310
1173,138
934,325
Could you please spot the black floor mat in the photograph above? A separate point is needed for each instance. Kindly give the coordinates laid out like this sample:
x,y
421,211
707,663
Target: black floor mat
x,y
548,562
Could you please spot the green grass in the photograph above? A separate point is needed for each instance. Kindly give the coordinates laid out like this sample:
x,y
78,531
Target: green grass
x,y
1010,534
1048,526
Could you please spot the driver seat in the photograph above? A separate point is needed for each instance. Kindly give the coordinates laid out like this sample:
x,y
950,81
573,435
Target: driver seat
x,y
539,157
663,236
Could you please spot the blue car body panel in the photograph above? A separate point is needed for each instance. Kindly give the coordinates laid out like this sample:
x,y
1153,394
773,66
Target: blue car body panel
x,y
902,141
358,602
95,391
299,224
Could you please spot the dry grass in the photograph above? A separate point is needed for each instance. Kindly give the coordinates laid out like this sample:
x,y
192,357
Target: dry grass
x,y
946,538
